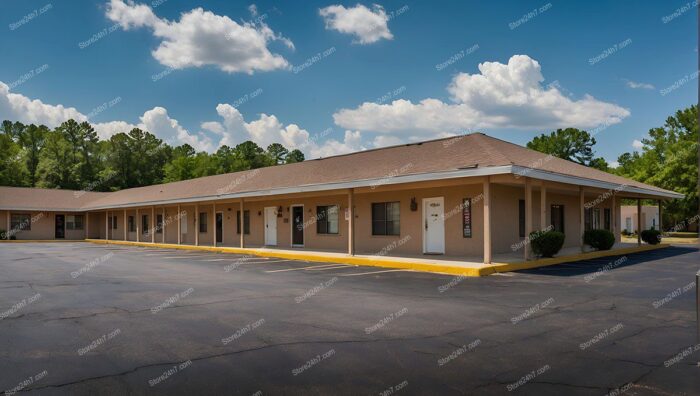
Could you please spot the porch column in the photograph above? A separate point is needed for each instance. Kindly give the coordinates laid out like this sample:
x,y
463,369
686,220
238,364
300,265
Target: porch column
x,y
125,225
639,221
179,226
661,229
543,207
196,224
351,222
487,220
581,216
152,224
528,215
214,222
87,224
106,225
242,225
613,217
138,228
162,225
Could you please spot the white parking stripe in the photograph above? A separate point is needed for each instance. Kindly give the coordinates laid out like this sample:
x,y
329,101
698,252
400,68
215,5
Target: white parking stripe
x,y
330,268
378,272
303,268
218,259
263,262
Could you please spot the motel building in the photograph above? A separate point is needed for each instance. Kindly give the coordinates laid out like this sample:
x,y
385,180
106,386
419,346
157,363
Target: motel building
x,y
468,199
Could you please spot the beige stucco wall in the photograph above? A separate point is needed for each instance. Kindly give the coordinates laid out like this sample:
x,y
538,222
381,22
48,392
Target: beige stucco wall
x,y
43,226
505,231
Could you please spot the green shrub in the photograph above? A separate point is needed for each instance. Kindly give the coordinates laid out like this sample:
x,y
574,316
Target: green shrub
x,y
651,237
2,235
599,239
625,232
546,244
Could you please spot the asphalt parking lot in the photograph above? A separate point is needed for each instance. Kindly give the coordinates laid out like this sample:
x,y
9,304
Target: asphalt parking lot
x,y
79,318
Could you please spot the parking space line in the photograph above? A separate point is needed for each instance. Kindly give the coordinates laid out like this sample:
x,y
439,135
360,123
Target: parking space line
x,y
264,262
377,272
331,268
303,268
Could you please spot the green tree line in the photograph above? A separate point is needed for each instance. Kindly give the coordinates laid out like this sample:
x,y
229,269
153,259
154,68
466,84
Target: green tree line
x,y
72,156
668,159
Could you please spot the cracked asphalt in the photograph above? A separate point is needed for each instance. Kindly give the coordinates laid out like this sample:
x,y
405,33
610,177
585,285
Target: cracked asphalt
x,y
78,318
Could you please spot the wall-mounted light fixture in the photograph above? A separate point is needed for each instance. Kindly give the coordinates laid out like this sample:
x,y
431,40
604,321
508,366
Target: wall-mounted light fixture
x,y
414,204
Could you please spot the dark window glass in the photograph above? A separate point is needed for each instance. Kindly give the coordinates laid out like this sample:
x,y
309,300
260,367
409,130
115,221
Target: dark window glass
x,y
20,222
159,224
144,224
557,217
327,219
246,221
132,224
385,218
587,216
595,219
606,219
521,218
114,223
74,222
203,222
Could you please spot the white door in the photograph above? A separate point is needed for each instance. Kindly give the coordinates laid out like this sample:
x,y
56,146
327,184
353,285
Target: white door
x,y
271,226
434,225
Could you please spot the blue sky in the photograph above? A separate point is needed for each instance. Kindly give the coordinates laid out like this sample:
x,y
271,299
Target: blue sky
x,y
331,77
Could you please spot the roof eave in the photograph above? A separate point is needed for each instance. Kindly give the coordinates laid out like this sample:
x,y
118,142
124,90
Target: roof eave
x,y
558,177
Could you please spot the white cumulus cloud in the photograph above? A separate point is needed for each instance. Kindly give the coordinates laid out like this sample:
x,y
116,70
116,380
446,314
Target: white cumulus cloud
x,y
637,144
368,26
17,107
202,38
268,129
500,96
638,85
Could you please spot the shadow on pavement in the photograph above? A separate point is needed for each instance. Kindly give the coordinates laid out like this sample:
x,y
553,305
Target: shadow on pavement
x,y
611,263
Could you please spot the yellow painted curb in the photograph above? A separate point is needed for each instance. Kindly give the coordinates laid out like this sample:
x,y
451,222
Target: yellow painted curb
x,y
310,256
386,263
40,240
576,257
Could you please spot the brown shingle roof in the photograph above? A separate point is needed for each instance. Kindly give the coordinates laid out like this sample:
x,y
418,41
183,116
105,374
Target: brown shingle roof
x,y
442,155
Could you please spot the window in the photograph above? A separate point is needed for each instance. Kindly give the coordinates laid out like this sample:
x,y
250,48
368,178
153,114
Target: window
x,y
557,217
144,224
596,218
385,218
74,222
183,222
132,224
203,222
587,218
521,218
607,219
327,219
467,218
159,223
114,223
20,222
246,221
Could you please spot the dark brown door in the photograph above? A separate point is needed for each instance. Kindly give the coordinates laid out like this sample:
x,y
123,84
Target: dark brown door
x,y
60,226
297,225
219,227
